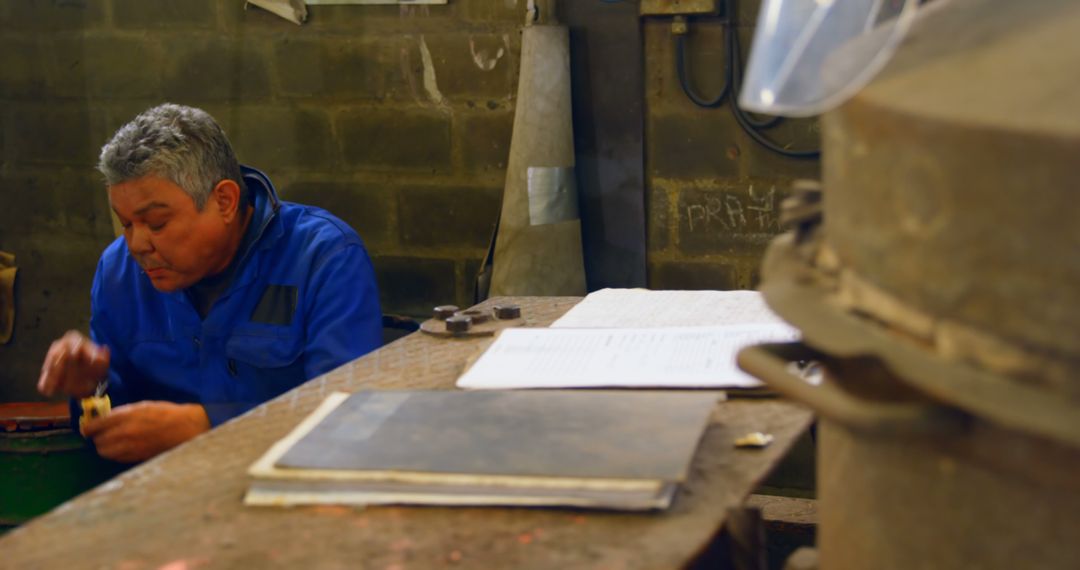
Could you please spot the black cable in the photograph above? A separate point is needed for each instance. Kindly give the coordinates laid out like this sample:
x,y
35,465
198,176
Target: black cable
x,y
735,79
769,122
735,65
732,82
740,117
680,70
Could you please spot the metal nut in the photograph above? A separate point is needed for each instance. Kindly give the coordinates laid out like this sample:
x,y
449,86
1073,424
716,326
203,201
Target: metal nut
x,y
458,323
476,315
506,312
443,312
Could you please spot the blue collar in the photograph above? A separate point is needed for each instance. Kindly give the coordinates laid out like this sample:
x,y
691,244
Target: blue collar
x,y
266,208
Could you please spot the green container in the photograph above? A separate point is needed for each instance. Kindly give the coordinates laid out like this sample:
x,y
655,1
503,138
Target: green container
x,y
43,461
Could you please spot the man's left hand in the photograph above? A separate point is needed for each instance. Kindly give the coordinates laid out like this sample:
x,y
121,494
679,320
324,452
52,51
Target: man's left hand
x,y
139,431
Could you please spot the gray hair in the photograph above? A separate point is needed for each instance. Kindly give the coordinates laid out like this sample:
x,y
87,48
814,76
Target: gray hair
x,y
181,144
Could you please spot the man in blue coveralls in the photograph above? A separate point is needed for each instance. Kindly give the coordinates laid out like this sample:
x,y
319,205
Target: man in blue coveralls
x,y
217,297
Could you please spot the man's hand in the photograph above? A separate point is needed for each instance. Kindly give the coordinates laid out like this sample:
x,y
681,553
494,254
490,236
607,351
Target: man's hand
x,y
73,366
139,431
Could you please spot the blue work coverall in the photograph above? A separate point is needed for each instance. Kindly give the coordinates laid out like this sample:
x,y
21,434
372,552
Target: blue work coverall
x,y
303,301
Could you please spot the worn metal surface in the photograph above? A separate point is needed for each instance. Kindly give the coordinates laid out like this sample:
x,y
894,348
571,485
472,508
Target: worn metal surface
x,y
973,499
937,495
807,303
950,189
943,294
184,506
920,230
923,462
30,416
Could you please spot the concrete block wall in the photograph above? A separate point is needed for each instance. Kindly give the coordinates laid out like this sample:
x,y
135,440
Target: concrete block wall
x,y
713,193
397,119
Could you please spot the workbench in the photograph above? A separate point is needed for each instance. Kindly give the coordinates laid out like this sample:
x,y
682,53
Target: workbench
x,y
182,510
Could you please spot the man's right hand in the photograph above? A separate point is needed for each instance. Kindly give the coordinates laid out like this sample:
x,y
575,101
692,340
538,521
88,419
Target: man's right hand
x,y
73,366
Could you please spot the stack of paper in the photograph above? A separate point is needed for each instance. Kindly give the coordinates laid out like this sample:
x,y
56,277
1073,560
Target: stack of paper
x,y
642,308
619,450
645,339
673,357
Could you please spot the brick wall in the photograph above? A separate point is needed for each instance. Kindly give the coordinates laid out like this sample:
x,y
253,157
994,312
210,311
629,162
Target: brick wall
x,y
397,119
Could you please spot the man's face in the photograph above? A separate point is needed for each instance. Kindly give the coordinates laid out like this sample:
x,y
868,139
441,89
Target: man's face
x,y
174,243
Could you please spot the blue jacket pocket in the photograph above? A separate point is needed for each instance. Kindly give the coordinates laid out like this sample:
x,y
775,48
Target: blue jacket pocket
x,y
265,365
264,346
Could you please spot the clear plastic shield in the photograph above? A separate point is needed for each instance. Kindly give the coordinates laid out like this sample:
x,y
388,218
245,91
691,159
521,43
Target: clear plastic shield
x,y
809,56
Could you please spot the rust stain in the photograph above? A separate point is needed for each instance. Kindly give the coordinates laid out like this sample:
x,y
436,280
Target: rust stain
x,y
30,416
183,564
525,538
455,556
331,510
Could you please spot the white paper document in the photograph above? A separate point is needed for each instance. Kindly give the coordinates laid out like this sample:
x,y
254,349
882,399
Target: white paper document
x,y
645,308
691,357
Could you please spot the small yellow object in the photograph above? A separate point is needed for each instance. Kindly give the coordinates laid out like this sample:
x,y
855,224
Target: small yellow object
x,y
94,407
755,439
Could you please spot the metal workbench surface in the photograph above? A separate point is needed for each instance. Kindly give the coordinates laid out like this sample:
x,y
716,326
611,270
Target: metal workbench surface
x,y
182,510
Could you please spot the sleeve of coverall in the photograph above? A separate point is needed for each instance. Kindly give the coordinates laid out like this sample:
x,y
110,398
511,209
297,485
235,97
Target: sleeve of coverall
x,y
343,317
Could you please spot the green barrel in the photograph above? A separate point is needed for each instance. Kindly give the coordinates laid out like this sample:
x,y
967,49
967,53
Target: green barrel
x,y
43,461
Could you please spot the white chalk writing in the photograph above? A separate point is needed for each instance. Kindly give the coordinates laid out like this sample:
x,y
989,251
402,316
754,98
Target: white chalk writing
x,y
751,210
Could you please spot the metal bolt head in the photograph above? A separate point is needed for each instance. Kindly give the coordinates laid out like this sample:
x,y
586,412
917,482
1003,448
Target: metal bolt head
x,y
506,312
458,323
443,312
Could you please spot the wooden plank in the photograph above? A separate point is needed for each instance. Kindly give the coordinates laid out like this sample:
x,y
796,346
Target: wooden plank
x,y
184,506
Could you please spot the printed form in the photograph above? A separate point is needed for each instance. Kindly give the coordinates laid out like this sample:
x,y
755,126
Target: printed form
x,y
667,357
635,338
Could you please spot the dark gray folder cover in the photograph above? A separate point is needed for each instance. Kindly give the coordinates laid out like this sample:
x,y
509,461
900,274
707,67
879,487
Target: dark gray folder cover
x,y
547,433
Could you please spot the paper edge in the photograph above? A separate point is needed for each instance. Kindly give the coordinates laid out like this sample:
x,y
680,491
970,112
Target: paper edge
x,y
255,497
